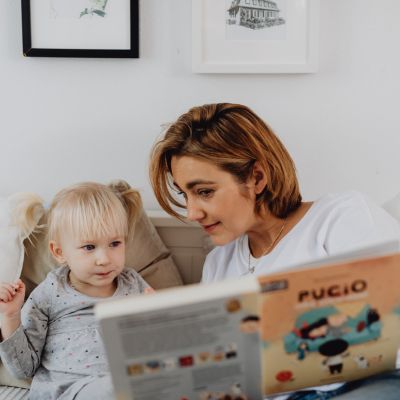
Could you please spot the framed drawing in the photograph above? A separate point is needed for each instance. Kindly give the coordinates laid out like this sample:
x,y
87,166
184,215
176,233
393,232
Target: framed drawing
x,y
80,28
255,36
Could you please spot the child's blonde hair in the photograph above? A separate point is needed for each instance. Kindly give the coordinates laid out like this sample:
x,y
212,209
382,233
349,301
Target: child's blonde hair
x,y
90,210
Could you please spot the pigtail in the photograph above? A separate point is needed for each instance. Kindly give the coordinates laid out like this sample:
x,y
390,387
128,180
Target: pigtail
x,y
131,201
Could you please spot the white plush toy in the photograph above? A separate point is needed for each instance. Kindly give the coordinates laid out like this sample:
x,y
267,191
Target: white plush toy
x,y
19,216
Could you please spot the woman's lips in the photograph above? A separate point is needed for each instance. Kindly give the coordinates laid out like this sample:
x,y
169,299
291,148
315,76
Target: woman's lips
x,y
210,228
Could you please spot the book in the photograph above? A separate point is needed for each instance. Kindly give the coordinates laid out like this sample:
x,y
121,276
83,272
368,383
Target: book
x,y
324,322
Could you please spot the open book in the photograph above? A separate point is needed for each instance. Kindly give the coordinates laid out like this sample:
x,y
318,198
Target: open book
x,y
251,337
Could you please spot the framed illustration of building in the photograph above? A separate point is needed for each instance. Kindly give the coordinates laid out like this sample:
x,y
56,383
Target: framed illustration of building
x,y
80,28
255,36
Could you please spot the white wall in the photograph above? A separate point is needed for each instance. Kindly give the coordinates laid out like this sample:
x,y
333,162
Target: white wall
x,y
67,120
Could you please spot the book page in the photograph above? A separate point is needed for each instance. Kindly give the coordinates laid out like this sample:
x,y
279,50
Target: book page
x,y
204,350
330,324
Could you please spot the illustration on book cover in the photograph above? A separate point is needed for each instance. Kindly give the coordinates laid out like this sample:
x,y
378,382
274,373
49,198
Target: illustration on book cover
x,y
341,327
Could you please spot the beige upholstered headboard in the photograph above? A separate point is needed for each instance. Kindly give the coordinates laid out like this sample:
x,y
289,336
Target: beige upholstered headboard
x,y
187,242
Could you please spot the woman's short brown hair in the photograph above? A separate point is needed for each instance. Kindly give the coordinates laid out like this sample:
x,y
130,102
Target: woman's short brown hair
x,y
232,137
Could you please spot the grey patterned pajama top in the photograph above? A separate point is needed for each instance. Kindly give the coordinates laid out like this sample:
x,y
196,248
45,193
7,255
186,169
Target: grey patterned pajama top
x,y
59,342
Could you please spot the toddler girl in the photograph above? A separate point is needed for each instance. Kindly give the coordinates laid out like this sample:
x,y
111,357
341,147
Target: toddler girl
x,y
55,337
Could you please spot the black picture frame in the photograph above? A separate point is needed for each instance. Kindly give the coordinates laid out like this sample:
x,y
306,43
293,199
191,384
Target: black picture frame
x,y
29,51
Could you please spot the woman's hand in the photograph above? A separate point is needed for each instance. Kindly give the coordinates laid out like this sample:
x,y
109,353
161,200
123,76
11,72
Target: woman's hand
x,y
12,297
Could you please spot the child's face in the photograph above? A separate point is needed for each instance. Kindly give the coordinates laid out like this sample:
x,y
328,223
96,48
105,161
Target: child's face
x,y
94,264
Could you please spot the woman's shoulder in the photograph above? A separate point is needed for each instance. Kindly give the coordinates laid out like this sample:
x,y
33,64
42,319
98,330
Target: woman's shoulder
x,y
348,198
337,205
351,219
353,203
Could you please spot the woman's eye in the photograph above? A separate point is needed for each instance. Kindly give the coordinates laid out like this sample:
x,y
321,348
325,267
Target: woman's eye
x,y
115,243
88,247
205,192
180,193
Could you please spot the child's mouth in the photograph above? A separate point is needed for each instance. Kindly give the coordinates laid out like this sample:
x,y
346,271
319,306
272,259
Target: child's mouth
x,y
103,273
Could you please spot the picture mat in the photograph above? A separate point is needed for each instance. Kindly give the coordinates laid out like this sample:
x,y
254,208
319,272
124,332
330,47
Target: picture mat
x,y
217,49
110,32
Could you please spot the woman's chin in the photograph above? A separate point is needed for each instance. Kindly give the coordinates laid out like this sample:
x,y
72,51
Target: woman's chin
x,y
221,240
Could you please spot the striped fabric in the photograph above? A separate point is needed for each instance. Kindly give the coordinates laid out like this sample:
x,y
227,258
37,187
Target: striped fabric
x,y
13,393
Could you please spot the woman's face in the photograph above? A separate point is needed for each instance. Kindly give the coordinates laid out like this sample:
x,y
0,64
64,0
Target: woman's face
x,y
214,198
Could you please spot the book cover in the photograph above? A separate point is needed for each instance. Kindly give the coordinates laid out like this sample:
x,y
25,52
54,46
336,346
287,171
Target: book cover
x,y
335,323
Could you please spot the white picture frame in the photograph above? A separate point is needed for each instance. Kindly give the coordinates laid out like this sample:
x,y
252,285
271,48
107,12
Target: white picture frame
x,y
237,39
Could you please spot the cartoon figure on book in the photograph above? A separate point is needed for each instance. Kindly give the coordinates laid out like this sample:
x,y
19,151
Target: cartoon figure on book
x,y
311,331
55,338
238,181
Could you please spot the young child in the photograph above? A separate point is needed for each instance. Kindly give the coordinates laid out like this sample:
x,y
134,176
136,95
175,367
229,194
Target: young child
x,y
55,337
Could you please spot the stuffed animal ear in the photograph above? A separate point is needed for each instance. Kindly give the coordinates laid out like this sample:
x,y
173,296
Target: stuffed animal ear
x,y
26,211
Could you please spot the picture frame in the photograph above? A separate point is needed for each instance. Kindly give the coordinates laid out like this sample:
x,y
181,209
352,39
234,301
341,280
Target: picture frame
x,y
255,36
80,28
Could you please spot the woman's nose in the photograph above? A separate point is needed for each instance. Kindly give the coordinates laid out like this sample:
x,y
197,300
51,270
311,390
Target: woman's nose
x,y
194,213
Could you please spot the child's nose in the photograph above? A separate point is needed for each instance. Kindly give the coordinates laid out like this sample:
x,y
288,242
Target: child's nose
x,y
102,257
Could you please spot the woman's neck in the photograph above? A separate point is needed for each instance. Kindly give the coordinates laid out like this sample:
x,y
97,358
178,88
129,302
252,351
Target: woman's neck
x,y
269,230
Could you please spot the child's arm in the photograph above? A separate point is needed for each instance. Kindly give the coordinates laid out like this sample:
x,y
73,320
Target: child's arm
x,y
25,330
11,300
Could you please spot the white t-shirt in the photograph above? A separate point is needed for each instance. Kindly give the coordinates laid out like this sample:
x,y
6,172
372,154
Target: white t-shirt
x,y
334,224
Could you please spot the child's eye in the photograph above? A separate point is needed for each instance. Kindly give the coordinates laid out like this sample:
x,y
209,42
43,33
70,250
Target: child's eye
x,y
115,243
88,247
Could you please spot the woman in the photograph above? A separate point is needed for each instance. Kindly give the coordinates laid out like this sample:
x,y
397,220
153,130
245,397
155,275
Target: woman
x,y
239,183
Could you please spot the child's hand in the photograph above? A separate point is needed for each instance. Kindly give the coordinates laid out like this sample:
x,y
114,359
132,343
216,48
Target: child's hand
x,y
12,297
149,290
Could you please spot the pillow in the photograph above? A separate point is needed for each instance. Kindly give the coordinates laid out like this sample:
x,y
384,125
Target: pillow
x,y
149,256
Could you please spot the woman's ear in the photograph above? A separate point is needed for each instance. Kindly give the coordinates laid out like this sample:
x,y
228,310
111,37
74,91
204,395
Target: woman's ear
x,y
56,252
259,178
